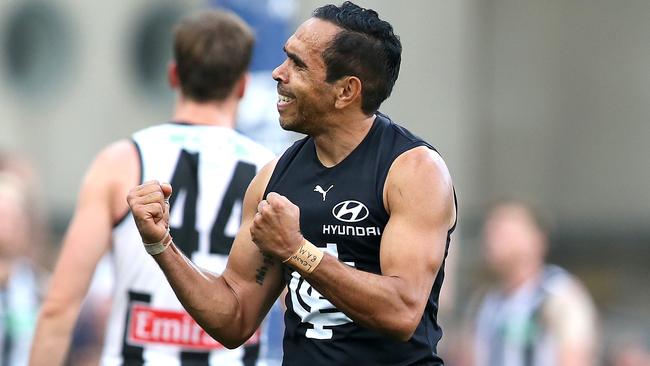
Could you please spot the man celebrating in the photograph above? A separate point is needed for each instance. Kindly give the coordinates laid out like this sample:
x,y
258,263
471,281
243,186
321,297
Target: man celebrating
x,y
363,262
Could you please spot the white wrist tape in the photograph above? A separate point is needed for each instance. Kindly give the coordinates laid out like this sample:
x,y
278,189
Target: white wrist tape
x,y
158,247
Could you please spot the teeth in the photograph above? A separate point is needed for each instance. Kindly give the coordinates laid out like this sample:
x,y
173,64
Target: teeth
x,y
284,99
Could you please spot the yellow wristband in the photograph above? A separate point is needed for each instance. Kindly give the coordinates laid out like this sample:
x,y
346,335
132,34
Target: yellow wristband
x,y
159,247
306,258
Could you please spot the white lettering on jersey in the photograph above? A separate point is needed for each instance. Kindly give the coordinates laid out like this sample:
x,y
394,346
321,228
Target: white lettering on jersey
x,y
151,326
312,307
349,230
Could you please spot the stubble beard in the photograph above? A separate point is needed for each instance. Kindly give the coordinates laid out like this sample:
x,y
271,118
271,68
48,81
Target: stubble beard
x,y
297,124
307,119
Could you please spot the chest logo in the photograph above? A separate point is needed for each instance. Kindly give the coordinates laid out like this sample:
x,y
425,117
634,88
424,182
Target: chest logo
x,y
350,211
320,190
316,313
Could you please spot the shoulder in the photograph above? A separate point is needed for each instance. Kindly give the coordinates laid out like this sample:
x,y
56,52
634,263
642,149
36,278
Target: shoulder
x,y
422,158
419,176
118,152
115,170
120,156
419,167
560,284
155,131
268,168
258,185
568,309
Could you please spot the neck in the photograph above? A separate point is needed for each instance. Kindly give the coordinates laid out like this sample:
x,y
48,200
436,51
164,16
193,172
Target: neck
x,y
521,275
338,141
5,270
221,113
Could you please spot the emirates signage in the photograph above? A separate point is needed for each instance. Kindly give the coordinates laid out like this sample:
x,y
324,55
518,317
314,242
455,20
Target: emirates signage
x,y
149,326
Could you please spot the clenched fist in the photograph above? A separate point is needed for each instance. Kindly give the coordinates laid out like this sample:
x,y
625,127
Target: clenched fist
x,y
276,226
150,207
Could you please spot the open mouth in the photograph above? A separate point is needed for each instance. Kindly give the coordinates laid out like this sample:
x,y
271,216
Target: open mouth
x,y
284,99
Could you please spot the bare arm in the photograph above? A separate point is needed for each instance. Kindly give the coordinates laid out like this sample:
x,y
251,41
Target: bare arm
x,y
570,316
419,197
86,240
229,307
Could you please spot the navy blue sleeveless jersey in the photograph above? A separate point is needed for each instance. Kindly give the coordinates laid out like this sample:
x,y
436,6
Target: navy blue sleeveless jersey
x,y
342,212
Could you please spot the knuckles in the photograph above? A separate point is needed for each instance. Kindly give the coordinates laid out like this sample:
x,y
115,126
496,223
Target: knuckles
x,y
144,194
275,200
265,210
157,196
138,212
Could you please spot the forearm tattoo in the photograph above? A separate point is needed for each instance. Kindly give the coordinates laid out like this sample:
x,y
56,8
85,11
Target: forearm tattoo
x,y
260,273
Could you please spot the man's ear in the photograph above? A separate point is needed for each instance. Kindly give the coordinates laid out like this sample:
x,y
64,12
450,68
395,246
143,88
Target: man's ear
x,y
348,91
172,75
242,84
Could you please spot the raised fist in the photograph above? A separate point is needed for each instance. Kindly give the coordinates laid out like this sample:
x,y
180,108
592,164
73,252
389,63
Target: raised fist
x,y
276,226
150,207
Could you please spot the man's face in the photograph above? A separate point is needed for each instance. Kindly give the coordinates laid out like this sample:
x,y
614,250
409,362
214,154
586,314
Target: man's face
x,y
511,237
13,223
304,97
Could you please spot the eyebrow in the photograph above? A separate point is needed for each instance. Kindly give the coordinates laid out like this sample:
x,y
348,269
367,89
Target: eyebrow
x,y
297,60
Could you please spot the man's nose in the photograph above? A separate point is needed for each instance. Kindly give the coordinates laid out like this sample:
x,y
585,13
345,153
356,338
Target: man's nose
x,y
278,73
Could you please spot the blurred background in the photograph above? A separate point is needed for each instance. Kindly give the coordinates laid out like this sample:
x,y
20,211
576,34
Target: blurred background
x,y
546,100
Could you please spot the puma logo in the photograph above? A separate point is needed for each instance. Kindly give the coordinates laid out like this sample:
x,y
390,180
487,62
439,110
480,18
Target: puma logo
x,y
320,190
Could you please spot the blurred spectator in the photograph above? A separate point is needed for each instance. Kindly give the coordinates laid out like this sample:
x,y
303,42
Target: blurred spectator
x,y
630,351
538,314
39,249
19,282
88,335
19,166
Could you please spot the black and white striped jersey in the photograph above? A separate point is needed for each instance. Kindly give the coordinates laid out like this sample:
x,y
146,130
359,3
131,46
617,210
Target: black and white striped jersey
x,y
209,168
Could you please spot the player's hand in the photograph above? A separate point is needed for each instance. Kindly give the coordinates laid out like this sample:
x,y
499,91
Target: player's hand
x,y
276,226
150,207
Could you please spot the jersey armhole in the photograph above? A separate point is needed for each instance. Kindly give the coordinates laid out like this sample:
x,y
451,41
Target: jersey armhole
x,y
141,170
384,174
